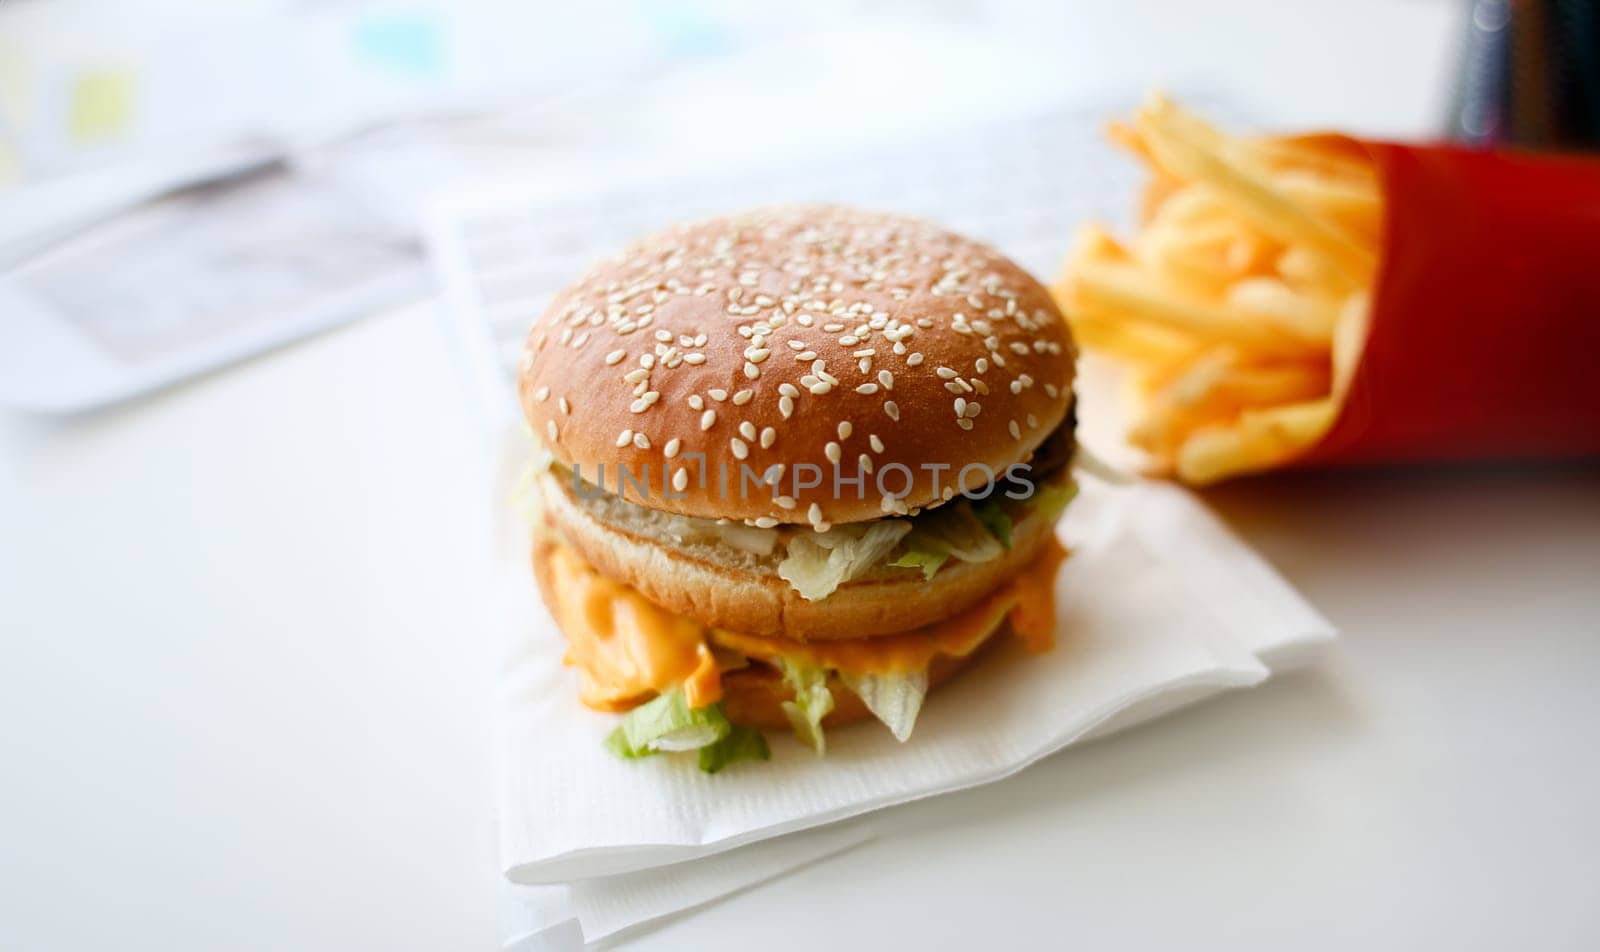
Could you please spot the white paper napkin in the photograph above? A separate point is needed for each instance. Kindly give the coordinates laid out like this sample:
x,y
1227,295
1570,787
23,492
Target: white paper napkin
x,y
1158,606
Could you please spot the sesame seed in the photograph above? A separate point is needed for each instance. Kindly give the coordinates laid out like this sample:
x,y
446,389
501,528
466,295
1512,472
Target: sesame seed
x,y
820,387
964,423
945,373
751,371
564,405
739,447
680,480
806,355
788,390
769,436
893,409
672,447
786,406
718,394
974,408
845,427
647,361
664,336
624,438
867,389
886,379
961,406
542,394
814,514
641,441
747,430
1033,422
695,359
636,376
615,357
914,360
757,354
832,451
1014,430
696,402
785,502
743,397
707,419
875,443
550,428
864,463
766,522
1051,391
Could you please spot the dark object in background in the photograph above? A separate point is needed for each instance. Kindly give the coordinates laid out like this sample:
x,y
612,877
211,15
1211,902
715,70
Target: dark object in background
x,y
1530,75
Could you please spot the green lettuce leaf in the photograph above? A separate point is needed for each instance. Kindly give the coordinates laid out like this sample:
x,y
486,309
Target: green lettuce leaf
x,y
667,723
994,518
894,699
915,557
1050,499
742,743
953,531
817,563
812,702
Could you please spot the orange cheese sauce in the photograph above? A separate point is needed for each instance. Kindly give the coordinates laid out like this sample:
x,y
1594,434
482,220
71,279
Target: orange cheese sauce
x,y
627,649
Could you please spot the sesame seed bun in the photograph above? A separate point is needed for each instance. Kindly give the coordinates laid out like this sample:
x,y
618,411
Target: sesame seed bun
x,y
722,589
797,335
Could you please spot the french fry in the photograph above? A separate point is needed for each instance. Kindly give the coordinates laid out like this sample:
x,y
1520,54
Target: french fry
x,y
1133,341
1327,158
1356,208
1303,268
1187,148
1241,307
1223,390
1308,316
1259,440
1111,287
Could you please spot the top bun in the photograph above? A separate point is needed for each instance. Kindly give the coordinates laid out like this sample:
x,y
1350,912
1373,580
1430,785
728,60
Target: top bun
x,y
795,337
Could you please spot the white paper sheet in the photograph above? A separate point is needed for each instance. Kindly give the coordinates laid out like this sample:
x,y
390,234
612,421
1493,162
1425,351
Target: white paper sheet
x,y
1159,606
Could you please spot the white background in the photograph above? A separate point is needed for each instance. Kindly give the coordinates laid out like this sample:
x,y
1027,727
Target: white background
x,y
245,694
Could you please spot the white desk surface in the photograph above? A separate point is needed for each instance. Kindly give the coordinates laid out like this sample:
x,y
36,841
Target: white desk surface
x,y
246,695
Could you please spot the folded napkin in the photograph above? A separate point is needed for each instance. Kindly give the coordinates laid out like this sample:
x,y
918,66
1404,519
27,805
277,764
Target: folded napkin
x,y
1158,606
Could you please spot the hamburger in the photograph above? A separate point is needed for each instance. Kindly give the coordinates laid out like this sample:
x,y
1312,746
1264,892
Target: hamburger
x,y
802,464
